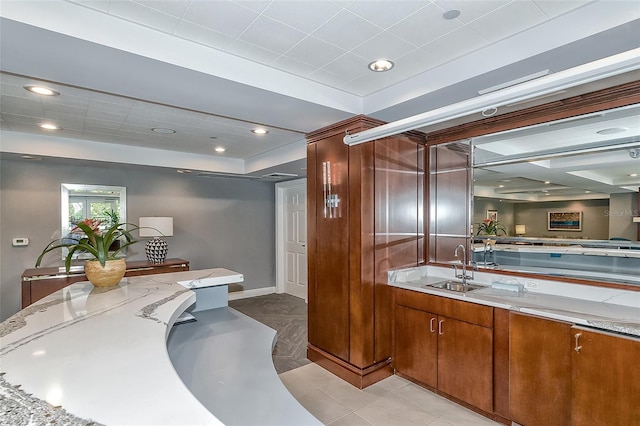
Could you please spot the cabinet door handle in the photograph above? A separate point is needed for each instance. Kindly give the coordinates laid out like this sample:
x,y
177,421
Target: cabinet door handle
x,y
431,321
440,331
577,347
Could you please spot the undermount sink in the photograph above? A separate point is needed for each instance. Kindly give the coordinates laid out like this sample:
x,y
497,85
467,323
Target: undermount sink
x,y
455,286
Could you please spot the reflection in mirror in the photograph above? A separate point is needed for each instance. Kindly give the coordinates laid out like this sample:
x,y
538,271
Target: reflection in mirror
x,y
79,202
449,199
566,193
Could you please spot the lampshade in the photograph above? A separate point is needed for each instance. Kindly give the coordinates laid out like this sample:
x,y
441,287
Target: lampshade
x,y
521,229
155,226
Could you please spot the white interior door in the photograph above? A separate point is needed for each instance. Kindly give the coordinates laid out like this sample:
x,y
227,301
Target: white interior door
x,y
293,237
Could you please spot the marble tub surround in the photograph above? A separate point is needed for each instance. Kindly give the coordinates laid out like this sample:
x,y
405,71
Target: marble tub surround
x,y
100,354
604,308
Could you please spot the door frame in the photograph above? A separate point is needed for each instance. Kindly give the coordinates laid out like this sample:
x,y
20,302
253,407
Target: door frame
x,y
280,257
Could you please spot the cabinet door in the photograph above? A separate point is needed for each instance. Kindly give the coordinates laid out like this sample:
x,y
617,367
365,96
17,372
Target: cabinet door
x,y
539,370
465,362
416,344
605,379
329,317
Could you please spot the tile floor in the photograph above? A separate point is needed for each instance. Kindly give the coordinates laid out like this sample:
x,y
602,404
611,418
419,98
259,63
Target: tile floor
x,y
390,402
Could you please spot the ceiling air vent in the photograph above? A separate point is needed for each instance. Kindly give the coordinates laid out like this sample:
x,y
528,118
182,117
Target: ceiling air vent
x,y
278,175
226,176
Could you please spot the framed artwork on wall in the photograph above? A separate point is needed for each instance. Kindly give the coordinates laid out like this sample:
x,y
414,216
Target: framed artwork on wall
x,y
492,215
564,221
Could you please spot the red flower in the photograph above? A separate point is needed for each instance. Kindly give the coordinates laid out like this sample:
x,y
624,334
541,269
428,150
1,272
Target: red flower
x,y
94,224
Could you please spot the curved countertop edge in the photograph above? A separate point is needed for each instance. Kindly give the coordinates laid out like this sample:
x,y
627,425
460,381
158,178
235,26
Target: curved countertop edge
x,y
100,355
597,314
236,379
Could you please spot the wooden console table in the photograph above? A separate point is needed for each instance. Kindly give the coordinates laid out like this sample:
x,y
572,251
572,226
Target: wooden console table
x,y
40,282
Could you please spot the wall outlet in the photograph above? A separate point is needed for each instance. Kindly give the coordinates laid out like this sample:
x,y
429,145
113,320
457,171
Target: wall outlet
x,y
531,284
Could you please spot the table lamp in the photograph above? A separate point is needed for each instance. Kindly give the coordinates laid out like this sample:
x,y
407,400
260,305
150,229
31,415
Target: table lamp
x,y
156,227
521,229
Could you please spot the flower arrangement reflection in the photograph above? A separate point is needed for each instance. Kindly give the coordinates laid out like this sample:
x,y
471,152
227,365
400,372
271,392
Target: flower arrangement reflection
x,y
490,227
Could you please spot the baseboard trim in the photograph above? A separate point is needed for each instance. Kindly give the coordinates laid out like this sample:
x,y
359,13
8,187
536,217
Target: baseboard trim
x,y
358,377
244,294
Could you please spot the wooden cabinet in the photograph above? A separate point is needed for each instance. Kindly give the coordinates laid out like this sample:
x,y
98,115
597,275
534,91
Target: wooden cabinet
x,y
40,282
579,376
445,344
605,379
416,345
539,370
364,218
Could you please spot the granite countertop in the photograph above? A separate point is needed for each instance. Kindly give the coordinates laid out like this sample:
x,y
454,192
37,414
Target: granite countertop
x,y
98,355
604,308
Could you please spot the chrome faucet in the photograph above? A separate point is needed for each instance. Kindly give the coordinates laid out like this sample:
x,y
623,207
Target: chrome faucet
x,y
488,248
464,275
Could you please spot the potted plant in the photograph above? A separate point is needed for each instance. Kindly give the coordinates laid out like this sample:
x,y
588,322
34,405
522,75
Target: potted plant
x,y
491,227
112,219
106,268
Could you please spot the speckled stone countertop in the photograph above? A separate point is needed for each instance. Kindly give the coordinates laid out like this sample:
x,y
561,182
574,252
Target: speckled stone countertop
x,y
88,355
604,308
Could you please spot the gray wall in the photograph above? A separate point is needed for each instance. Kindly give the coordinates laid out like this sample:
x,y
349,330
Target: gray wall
x,y
505,213
595,223
218,222
622,208
602,219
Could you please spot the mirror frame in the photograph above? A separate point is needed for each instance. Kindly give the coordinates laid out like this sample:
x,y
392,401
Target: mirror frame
x,y
65,191
605,99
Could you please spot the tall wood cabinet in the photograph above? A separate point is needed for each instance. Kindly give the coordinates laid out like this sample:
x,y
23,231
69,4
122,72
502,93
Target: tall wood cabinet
x,y
364,207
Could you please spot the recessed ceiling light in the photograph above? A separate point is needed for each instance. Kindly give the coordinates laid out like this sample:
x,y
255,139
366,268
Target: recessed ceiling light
x,y
183,171
547,182
163,130
500,186
41,90
260,131
612,131
451,14
381,65
49,126
587,192
633,175
30,157
220,149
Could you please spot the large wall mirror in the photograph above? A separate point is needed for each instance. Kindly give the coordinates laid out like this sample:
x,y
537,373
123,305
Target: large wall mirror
x,y
79,202
566,195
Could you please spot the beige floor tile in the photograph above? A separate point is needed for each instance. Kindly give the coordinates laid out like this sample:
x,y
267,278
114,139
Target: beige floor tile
x,y
351,420
461,416
348,395
383,387
326,409
295,384
391,410
426,400
439,422
317,376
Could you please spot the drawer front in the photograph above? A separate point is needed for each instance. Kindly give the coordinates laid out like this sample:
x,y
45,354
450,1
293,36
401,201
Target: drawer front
x,y
463,311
